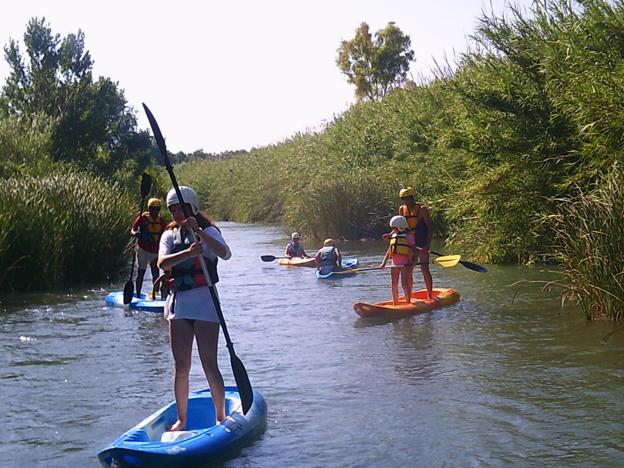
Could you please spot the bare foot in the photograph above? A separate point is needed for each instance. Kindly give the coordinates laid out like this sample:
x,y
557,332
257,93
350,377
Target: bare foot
x,y
177,426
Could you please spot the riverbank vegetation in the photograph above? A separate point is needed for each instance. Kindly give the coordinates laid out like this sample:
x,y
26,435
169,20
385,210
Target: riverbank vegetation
x,y
501,148
61,229
70,154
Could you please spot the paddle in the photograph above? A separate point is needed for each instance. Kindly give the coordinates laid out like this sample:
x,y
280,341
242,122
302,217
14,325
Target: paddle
x,y
240,374
469,265
270,258
446,261
146,185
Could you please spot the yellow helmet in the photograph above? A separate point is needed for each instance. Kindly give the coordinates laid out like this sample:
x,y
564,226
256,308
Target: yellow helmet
x,y
406,192
153,203
328,242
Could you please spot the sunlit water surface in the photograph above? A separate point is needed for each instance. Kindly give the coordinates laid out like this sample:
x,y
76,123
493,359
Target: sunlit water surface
x,y
503,377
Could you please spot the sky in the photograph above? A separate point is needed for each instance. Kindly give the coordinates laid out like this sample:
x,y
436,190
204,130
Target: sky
x,y
238,74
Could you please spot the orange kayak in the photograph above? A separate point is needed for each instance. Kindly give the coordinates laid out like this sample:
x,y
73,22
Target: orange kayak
x,y
301,262
420,303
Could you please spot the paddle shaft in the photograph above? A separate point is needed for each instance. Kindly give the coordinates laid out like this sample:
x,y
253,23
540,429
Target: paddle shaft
x,y
146,185
134,254
271,258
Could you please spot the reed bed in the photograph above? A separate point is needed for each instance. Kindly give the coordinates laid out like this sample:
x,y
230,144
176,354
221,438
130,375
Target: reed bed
x,y
590,232
62,229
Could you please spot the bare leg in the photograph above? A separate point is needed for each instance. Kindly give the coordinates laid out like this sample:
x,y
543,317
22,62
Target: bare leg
x,y
139,281
181,338
409,272
406,276
155,274
207,334
424,267
394,273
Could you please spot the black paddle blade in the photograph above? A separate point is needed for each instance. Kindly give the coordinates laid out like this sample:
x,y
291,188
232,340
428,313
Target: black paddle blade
x,y
268,258
242,382
146,184
128,292
473,266
160,141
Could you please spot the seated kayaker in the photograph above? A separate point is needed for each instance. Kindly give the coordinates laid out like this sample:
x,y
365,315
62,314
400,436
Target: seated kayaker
x,y
401,251
328,258
295,248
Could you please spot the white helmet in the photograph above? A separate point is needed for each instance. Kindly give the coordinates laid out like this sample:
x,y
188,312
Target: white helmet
x,y
399,222
189,196
295,235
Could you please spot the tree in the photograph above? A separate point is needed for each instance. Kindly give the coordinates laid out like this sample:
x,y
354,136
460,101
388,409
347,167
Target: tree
x,y
93,125
375,67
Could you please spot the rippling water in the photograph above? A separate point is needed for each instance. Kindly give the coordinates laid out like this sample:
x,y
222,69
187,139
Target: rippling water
x,y
503,377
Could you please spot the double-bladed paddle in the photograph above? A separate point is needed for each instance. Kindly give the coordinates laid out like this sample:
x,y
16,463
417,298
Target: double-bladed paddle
x,y
146,186
270,258
469,265
446,261
238,369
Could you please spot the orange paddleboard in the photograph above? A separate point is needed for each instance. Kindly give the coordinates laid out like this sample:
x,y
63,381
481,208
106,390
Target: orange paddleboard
x,y
419,304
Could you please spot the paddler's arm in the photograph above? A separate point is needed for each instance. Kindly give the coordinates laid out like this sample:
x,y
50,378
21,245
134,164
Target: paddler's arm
x,y
213,244
168,261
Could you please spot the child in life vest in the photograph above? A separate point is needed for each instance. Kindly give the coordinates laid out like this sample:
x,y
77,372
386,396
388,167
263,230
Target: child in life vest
x,y
401,252
295,248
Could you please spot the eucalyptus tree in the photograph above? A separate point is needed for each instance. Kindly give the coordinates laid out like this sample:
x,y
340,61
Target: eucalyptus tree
x,y
375,66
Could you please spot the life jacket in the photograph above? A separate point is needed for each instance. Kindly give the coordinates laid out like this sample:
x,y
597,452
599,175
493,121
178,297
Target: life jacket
x,y
328,256
399,244
154,227
411,214
294,249
415,223
188,274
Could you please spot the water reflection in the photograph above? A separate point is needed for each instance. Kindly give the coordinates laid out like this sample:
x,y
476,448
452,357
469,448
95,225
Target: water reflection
x,y
488,381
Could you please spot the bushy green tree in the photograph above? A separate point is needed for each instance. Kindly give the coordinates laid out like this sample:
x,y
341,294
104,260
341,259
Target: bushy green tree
x,y
93,126
375,66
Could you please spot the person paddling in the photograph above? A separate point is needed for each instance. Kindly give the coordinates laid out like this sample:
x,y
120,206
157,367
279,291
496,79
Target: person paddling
x,y
295,248
418,223
148,227
328,258
190,308
401,252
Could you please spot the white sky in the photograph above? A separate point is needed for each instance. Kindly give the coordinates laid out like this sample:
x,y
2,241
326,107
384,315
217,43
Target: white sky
x,y
236,74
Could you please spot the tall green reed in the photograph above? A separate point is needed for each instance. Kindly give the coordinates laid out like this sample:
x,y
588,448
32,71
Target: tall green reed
x,y
61,229
590,235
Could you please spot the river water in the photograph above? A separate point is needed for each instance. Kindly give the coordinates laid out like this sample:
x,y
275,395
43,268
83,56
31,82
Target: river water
x,y
504,377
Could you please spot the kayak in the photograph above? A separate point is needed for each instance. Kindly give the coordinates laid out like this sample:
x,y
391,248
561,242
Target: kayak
x,y
298,262
348,264
115,299
420,303
149,444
